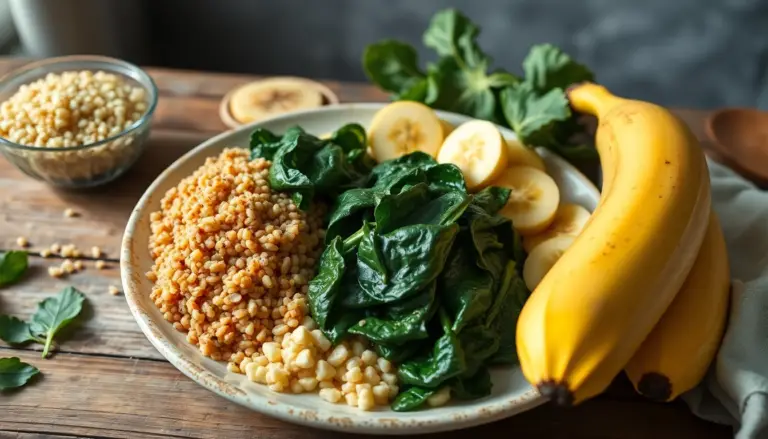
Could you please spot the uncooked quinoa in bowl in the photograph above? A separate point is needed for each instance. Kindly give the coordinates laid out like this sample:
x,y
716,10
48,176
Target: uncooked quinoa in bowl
x,y
232,262
75,121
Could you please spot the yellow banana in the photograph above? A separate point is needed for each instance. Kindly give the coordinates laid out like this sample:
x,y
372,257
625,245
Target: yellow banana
x,y
592,310
676,355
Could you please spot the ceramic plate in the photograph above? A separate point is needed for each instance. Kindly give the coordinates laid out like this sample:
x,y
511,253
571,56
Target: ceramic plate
x,y
511,393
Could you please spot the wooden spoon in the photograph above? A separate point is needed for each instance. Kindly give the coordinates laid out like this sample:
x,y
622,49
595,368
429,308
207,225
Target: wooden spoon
x,y
740,140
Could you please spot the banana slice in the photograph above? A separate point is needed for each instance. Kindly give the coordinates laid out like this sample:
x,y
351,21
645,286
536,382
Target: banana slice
x,y
533,201
447,127
403,127
521,155
569,221
543,258
477,148
268,97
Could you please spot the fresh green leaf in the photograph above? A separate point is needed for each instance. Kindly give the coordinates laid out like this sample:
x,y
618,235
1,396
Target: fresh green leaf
x,y
547,67
532,115
393,66
324,287
13,264
16,331
55,313
501,79
444,362
476,386
15,373
411,399
451,34
467,91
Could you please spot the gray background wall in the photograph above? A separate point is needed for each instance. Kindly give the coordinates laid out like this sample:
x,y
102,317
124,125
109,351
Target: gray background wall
x,y
696,53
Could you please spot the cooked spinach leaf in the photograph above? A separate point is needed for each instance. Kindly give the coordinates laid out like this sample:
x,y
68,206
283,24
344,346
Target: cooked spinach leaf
x,y
411,399
307,166
424,271
444,362
324,287
400,322
472,387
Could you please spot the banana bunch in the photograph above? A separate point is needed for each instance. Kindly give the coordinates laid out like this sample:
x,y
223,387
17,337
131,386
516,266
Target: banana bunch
x,y
642,283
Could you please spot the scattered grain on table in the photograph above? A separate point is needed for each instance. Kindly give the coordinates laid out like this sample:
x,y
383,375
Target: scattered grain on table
x,y
22,242
55,272
113,290
95,252
70,213
100,265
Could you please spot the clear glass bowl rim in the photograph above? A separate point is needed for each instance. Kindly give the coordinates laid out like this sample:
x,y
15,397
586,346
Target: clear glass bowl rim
x,y
141,76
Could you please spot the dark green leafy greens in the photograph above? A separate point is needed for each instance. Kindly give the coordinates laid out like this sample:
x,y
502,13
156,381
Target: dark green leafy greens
x,y
16,331
309,167
52,315
426,272
13,264
461,80
15,373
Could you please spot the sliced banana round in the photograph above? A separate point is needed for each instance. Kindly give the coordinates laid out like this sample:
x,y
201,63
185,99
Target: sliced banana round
x,y
268,97
477,148
521,155
403,127
533,199
543,258
569,220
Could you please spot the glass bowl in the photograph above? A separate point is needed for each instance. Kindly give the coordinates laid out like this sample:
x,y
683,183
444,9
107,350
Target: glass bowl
x,y
84,165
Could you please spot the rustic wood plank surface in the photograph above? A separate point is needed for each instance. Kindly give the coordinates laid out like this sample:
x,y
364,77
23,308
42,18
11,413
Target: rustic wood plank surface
x,y
106,380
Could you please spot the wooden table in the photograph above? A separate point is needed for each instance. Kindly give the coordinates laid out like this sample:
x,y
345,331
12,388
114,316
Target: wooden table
x,y
106,380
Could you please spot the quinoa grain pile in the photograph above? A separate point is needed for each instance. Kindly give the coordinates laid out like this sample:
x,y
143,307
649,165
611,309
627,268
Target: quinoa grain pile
x,y
232,264
232,258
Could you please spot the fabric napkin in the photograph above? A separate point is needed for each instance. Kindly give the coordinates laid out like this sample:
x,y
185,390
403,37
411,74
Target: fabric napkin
x,y
735,391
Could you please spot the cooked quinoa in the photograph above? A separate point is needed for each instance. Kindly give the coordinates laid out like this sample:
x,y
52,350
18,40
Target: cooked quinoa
x,y
232,264
232,258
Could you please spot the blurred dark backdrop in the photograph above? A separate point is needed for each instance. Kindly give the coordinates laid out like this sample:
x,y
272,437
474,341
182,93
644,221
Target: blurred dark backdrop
x,y
695,53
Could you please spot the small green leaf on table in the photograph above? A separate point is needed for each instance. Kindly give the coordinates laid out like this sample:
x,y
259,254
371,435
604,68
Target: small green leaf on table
x,y
55,313
16,331
13,264
15,373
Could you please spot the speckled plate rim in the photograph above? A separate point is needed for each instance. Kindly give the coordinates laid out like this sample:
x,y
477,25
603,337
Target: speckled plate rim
x,y
236,388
